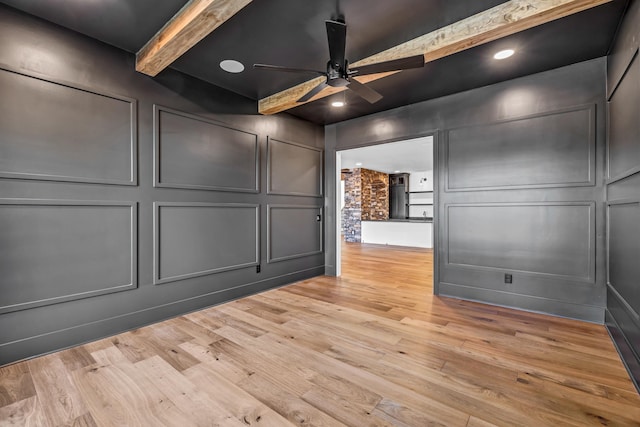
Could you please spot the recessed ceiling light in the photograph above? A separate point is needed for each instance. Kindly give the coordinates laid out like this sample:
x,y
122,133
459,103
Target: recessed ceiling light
x,y
337,104
396,171
504,54
358,163
232,66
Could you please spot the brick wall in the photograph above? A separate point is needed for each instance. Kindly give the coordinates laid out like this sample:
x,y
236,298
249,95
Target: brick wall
x,y
366,197
375,195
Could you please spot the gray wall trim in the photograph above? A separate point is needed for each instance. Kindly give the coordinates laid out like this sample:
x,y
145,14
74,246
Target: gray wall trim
x,y
156,153
633,170
270,168
591,161
611,286
437,234
615,87
535,304
591,278
157,280
629,310
133,284
623,190
629,357
34,346
133,179
623,175
270,207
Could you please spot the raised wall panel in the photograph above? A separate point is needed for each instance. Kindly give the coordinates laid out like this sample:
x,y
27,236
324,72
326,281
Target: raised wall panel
x,y
294,169
293,231
554,149
55,251
623,224
550,239
195,239
58,132
193,152
624,124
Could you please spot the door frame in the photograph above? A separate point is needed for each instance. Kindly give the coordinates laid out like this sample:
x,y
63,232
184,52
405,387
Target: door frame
x,y
435,134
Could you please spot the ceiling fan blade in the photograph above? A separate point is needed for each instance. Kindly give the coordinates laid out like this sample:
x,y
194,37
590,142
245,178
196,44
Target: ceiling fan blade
x,y
287,69
416,61
364,91
313,92
337,37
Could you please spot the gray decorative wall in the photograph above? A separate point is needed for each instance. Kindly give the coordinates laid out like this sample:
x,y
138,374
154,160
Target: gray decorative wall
x,y
623,192
518,170
126,199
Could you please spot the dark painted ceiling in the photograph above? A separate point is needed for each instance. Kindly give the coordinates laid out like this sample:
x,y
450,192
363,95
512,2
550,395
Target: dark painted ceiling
x,y
292,33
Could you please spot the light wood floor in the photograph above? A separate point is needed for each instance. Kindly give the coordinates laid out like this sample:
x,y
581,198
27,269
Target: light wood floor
x,y
373,348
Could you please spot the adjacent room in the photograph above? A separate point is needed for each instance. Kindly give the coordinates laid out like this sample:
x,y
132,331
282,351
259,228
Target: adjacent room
x,y
328,213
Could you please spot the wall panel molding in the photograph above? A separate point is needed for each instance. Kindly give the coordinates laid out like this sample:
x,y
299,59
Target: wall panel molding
x,y
631,110
54,271
220,158
611,205
625,69
478,159
588,264
87,154
292,178
624,188
292,228
201,248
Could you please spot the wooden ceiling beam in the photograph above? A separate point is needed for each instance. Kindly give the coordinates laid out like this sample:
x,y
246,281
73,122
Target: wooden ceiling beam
x,y
500,21
196,20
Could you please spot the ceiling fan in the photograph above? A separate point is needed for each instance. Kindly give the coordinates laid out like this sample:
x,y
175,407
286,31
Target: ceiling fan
x,y
339,74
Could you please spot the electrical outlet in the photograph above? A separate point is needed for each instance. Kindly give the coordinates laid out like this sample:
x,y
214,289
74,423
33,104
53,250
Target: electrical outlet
x,y
258,268
508,278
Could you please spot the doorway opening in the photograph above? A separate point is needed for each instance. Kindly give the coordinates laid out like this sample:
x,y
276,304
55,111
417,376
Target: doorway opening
x,y
385,199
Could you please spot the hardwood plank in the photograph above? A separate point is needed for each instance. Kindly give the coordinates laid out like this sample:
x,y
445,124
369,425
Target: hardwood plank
x,y
26,413
218,362
109,356
76,358
342,409
85,420
290,406
186,395
192,23
399,414
196,332
243,406
121,395
59,398
329,352
15,383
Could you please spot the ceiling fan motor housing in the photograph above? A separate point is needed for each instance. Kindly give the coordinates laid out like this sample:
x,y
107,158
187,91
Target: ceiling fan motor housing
x,y
337,76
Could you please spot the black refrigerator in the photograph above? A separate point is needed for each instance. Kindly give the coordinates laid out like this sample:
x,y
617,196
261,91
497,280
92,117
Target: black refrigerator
x,y
399,202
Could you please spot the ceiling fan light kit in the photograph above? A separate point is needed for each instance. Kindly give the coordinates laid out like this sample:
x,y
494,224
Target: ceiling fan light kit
x,y
338,73
504,54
